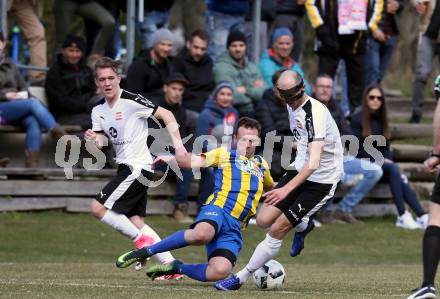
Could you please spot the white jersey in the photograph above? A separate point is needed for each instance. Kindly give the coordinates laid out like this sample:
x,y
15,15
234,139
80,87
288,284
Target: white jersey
x,y
313,122
126,127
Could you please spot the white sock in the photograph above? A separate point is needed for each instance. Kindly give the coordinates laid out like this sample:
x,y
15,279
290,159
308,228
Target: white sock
x,y
265,251
302,226
163,257
122,224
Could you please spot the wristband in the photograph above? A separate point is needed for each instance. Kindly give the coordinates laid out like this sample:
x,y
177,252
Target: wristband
x,y
431,154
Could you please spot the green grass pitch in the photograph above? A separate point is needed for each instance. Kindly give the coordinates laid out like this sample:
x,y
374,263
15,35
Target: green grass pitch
x,y
59,255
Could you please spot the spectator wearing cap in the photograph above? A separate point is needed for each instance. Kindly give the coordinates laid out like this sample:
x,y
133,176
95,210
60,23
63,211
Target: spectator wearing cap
x,y
156,16
171,99
290,14
244,75
197,67
221,17
70,87
278,57
217,119
147,73
64,12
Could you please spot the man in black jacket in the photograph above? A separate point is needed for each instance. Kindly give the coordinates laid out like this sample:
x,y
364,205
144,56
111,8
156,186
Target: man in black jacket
x,y
70,85
148,72
334,41
196,65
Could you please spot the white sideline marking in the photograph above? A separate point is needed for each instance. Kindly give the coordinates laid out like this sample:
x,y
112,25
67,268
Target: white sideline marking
x,y
167,287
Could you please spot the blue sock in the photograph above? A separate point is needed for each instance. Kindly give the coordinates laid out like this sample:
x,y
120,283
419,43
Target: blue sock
x,y
197,272
174,241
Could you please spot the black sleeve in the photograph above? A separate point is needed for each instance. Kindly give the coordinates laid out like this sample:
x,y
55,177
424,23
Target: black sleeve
x,y
137,77
60,99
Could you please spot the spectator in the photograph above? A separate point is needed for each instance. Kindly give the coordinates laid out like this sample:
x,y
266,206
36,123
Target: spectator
x,y
372,120
18,107
370,173
427,47
25,14
222,17
380,46
114,44
156,16
273,116
342,36
64,12
290,14
147,73
217,119
233,66
171,100
70,88
277,57
194,63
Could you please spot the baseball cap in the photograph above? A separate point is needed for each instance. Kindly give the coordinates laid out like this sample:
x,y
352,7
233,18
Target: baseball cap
x,y
176,77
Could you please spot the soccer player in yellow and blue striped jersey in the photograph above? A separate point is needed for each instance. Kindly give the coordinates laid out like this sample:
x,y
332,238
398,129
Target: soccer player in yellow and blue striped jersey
x,y
240,177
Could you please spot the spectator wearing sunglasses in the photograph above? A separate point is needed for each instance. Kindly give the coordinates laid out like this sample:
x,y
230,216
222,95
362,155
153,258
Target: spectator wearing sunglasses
x,y
372,120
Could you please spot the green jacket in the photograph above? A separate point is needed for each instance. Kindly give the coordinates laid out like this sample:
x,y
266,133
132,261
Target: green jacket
x,y
227,69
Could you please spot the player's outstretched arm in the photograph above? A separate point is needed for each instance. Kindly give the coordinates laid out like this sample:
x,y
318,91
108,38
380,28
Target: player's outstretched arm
x,y
276,195
173,129
187,160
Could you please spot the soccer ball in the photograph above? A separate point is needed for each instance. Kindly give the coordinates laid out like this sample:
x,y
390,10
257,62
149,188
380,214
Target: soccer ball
x,y
270,276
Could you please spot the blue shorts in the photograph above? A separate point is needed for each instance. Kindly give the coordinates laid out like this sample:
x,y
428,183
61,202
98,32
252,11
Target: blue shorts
x,y
227,241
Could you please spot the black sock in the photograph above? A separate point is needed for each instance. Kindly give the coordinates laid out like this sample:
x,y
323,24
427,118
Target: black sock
x,y
431,253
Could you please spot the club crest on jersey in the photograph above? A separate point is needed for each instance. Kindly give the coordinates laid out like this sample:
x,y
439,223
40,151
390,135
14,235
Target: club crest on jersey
x,y
113,132
298,124
118,115
250,167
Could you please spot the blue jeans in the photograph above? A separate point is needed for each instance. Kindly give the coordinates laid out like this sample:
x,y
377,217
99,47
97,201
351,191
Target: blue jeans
x,y
342,73
218,26
32,116
377,59
153,21
372,174
401,190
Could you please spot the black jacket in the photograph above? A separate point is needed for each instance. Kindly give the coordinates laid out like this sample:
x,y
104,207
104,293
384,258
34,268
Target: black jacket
x,y
146,77
338,116
325,20
376,128
386,17
179,113
200,77
289,7
70,88
273,115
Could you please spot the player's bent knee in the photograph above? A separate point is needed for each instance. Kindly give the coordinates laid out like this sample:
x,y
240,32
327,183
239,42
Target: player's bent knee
x,y
97,209
264,222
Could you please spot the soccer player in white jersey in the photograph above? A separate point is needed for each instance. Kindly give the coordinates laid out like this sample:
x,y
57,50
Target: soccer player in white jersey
x,y
121,119
301,192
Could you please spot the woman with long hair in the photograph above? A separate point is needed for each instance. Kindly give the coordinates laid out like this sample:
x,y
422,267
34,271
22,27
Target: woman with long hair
x,y
373,120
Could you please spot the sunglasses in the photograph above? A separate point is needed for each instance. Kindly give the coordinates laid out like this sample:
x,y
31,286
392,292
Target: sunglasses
x,y
372,98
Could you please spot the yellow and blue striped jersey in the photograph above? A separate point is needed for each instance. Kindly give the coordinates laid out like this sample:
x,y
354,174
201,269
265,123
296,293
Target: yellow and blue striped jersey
x,y
239,182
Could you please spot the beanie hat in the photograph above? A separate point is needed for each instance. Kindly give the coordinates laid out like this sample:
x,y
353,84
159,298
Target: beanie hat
x,y
235,35
281,31
219,86
74,41
161,35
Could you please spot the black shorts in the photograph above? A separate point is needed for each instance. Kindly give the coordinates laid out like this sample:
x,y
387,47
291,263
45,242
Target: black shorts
x,y
304,201
435,197
126,193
